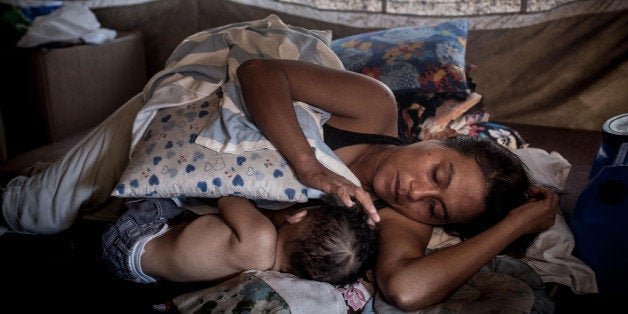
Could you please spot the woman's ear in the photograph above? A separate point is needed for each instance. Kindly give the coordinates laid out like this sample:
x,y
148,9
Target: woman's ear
x,y
296,217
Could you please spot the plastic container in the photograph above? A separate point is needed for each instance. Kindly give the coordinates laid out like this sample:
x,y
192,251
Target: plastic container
x,y
600,218
614,133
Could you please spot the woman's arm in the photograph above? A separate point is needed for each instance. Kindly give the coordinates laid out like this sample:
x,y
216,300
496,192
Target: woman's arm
x,y
411,280
357,103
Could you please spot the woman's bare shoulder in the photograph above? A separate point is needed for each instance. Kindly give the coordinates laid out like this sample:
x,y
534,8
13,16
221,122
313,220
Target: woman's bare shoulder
x,y
393,220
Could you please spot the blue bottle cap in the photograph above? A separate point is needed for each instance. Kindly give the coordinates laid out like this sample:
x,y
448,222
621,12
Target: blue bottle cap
x,y
615,130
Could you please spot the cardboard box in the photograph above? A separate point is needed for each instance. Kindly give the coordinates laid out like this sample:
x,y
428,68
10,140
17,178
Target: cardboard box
x,y
79,86
54,93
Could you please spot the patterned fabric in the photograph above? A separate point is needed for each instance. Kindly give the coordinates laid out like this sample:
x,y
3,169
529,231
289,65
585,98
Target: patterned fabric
x,y
424,66
168,163
410,60
357,295
244,294
501,134
257,291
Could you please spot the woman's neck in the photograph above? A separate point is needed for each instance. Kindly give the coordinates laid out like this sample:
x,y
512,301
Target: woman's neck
x,y
365,165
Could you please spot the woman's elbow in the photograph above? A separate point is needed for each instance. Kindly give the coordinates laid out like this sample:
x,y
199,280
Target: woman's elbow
x,y
250,67
407,299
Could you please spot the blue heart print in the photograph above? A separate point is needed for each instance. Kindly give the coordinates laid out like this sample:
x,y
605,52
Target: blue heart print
x,y
192,138
168,144
166,118
156,160
290,193
217,182
189,168
202,185
277,173
304,192
238,181
203,113
205,104
134,183
153,180
120,189
240,160
197,156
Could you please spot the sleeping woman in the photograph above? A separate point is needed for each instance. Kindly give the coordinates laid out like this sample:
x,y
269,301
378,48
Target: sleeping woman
x,y
473,187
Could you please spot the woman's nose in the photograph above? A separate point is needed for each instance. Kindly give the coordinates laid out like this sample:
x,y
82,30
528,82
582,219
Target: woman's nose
x,y
419,190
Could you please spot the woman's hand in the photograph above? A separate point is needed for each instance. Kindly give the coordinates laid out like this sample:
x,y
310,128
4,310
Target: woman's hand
x,y
539,213
315,175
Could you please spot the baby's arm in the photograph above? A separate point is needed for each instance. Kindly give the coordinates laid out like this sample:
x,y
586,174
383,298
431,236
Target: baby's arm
x,y
253,239
213,247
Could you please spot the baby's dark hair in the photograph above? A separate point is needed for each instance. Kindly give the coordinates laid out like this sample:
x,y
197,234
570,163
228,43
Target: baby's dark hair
x,y
336,247
508,184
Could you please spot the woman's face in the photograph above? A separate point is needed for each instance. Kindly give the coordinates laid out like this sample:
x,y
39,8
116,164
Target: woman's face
x,y
431,183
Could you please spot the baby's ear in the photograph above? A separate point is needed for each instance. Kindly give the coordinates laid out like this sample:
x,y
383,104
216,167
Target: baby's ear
x,y
296,217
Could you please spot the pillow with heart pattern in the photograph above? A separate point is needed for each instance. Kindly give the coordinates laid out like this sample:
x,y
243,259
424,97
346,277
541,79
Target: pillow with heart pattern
x,y
168,163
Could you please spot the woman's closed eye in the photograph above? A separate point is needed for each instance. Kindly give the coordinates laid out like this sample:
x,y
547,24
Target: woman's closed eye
x,y
442,174
434,173
437,210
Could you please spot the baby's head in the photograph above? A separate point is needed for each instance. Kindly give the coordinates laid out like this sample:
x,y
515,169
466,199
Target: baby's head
x,y
334,244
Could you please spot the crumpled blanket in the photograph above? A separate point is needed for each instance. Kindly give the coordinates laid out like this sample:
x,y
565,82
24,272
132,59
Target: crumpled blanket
x,y
207,61
264,292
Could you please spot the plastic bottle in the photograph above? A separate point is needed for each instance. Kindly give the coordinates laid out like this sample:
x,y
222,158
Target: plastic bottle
x,y
600,218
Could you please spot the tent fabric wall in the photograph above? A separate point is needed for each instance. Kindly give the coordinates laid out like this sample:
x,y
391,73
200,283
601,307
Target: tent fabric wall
x,y
565,67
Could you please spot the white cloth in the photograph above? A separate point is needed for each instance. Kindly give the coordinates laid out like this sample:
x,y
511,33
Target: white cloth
x,y
551,253
49,201
69,23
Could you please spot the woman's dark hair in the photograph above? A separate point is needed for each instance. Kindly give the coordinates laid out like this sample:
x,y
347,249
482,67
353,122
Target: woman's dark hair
x,y
337,247
507,187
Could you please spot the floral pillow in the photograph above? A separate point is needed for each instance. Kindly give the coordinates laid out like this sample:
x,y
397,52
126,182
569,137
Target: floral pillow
x,y
501,134
412,61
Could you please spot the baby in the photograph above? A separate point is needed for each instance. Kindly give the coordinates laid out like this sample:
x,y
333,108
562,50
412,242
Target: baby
x,y
325,243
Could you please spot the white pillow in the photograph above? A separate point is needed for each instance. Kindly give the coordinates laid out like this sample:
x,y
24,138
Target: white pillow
x,y
168,163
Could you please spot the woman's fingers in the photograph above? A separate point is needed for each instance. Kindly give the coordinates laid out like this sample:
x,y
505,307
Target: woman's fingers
x,y
364,199
348,193
539,213
333,184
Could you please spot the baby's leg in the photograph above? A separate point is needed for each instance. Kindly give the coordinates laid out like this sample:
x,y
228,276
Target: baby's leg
x,y
49,201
